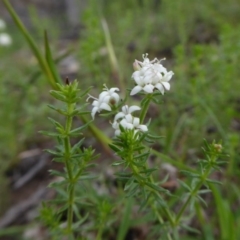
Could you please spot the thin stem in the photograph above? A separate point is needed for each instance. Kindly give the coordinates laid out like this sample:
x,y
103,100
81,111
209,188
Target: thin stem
x,y
175,234
42,62
67,148
159,217
161,221
145,108
70,208
99,235
165,209
111,54
192,194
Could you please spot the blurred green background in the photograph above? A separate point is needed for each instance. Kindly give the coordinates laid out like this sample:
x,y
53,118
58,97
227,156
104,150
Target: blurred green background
x,y
201,43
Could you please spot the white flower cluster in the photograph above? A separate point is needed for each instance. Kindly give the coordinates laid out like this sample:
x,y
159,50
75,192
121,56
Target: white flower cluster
x,y
106,99
127,121
5,39
150,75
109,98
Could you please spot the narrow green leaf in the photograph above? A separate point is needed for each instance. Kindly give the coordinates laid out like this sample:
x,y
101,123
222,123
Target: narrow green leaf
x,y
51,134
118,163
77,146
35,49
79,129
143,155
58,95
77,224
63,208
88,177
190,229
115,148
204,191
55,123
129,183
144,202
184,185
201,200
154,187
133,191
61,111
59,159
57,173
213,181
55,153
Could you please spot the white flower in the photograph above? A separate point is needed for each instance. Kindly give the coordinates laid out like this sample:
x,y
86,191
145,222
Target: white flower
x,y
127,121
107,98
150,75
125,111
2,24
5,39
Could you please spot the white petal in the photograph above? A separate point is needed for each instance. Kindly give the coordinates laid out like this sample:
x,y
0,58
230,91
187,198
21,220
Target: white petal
x,y
136,75
124,123
125,109
147,79
94,110
112,90
166,85
95,103
129,126
119,115
168,76
136,90
115,125
136,122
133,109
129,118
116,97
143,128
148,88
139,80
105,99
117,132
103,95
105,106
159,86
160,68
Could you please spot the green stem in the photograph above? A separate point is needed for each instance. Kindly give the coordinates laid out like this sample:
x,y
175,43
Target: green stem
x,y
159,217
42,62
99,235
166,211
175,234
70,208
192,194
111,54
145,108
71,190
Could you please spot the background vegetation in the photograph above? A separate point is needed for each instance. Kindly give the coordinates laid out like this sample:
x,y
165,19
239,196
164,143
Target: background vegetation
x,y
201,41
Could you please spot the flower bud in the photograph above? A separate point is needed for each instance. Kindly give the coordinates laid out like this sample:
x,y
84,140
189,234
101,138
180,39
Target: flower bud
x,y
136,66
218,147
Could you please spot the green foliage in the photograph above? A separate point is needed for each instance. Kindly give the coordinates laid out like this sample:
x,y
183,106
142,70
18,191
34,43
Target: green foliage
x,y
201,40
75,159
